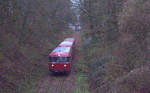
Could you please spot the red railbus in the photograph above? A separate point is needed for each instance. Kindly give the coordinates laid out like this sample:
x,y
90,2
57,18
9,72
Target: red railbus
x,y
61,57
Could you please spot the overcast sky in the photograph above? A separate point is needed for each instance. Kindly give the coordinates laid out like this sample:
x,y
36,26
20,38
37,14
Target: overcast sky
x,y
74,1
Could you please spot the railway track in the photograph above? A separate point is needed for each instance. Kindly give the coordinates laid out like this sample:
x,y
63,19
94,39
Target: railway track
x,y
59,83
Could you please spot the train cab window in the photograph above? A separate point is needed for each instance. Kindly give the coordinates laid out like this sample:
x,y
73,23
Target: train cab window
x,y
53,59
63,59
59,59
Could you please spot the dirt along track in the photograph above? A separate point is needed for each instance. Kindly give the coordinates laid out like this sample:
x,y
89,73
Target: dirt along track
x,y
61,83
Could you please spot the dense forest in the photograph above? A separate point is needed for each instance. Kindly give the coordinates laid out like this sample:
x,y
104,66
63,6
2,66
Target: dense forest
x,y
116,45
113,53
28,32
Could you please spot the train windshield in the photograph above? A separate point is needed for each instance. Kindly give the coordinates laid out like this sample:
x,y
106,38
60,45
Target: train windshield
x,y
59,59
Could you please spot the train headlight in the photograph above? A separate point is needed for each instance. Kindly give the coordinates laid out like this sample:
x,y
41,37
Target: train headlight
x,y
52,65
65,65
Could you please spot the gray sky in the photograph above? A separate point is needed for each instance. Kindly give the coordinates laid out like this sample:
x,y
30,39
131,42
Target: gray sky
x,y
74,1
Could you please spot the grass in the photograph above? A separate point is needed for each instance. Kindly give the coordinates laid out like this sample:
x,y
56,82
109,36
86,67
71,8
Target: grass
x,y
28,85
82,83
34,79
30,89
81,77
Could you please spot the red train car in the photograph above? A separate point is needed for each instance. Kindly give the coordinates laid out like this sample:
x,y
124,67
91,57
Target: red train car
x,y
60,60
61,57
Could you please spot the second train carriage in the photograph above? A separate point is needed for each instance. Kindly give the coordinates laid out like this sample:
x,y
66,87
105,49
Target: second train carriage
x,y
66,43
70,40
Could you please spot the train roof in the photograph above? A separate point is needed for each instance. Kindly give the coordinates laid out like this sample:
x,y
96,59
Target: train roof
x,y
69,39
61,52
66,43
62,49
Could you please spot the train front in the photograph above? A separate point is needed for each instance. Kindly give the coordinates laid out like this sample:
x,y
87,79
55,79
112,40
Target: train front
x,y
60,60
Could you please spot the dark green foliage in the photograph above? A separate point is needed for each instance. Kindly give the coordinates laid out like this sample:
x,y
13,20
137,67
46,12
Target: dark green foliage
x,y
98,64
119,28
